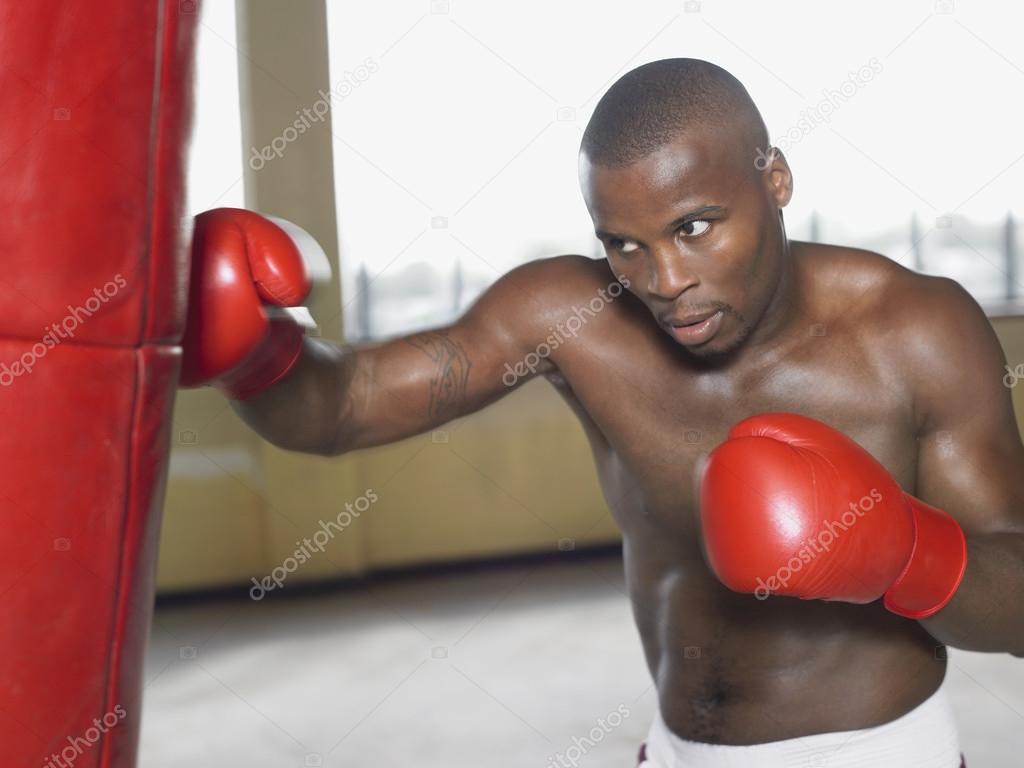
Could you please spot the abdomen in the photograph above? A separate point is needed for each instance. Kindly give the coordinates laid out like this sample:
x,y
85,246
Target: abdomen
x,y
732,669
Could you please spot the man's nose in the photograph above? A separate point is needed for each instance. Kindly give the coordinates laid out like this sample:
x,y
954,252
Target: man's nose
x,y
669,274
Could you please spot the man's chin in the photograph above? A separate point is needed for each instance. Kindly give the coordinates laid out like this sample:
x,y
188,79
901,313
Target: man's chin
x,y
710,351
717,349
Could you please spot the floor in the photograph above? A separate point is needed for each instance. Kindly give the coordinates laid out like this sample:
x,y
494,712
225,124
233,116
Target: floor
x,y
530,664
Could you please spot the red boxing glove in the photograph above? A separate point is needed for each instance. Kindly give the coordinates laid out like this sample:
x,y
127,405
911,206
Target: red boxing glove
x,y
241,261
790,506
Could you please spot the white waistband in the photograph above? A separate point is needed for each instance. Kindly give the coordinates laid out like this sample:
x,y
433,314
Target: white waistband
x,y
925,737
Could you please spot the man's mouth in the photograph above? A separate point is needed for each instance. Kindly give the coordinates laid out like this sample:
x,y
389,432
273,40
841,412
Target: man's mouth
x,y
695,328
693,318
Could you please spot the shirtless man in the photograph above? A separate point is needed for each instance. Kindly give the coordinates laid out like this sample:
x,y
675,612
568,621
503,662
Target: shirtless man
x,y
722,317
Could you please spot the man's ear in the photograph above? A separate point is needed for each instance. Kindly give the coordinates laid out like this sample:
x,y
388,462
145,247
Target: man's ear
x,y
778,177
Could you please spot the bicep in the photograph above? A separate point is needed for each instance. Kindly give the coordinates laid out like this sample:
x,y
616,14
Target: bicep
x,y
970,456
409,385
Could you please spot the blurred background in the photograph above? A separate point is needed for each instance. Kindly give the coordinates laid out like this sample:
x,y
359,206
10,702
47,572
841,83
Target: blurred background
x,y
474,612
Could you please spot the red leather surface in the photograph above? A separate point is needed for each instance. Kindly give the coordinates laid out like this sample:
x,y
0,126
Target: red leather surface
x,y
96,104
936,567
240,262
81,519
789,498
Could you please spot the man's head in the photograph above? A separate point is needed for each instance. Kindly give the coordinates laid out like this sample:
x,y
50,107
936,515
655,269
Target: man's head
x,y
686,197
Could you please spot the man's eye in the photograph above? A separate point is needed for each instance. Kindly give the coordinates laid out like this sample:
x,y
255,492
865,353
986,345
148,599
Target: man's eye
x,y
695,228
623,246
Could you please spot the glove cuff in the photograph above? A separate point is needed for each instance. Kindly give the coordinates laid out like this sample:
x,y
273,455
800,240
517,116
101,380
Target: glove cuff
x,y
270,360
936,565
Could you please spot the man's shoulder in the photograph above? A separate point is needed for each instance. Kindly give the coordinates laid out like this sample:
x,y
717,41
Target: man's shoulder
x,y
839,266
928,326
926,306
556,284
564,273
870,288
938,329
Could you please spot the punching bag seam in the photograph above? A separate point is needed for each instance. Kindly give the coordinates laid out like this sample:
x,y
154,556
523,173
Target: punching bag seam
x,y
121,610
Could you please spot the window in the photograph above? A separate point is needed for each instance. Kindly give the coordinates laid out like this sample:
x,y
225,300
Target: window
x,y
457,124
215,155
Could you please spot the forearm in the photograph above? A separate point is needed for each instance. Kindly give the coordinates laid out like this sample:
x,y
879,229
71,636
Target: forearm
x,y
986,613
304,411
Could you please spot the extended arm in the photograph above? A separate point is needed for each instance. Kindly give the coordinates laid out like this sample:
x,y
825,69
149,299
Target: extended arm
x,y
305,394
338,399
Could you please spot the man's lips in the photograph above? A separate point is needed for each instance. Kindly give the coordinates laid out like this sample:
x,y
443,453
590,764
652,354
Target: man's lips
x,y
691,330
691,319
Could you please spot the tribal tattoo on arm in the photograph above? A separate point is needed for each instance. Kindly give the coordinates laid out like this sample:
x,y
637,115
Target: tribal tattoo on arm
x,y
451,372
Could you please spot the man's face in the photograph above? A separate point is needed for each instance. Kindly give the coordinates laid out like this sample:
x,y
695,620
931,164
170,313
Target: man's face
x,y
695,228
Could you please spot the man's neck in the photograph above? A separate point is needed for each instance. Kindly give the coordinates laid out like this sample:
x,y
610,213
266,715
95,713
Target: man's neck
x,y
785,313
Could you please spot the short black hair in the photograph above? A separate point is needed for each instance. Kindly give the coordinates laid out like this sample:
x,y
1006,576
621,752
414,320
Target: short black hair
x,y
651,105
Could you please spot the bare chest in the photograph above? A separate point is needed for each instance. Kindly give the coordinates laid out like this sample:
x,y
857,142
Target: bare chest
x,y
650,421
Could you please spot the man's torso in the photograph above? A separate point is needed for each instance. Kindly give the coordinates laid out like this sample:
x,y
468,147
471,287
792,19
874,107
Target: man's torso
x,y
730,668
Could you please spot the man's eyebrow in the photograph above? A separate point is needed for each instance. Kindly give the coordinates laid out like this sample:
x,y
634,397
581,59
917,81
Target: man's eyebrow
x,y
696,213
605,235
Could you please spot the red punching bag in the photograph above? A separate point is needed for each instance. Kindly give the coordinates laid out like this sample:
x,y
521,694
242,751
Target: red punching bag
x,y
96,104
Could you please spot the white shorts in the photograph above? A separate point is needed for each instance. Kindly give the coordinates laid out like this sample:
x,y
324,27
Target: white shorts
x,y
925,737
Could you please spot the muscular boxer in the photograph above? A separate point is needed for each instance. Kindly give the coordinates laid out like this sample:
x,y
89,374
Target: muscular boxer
x,y
866,380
